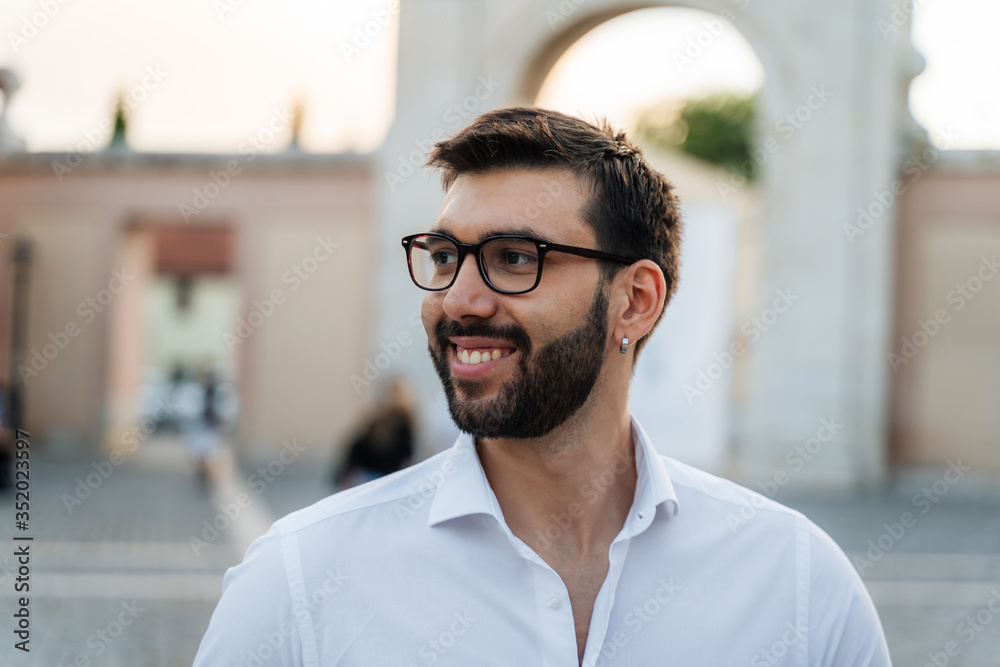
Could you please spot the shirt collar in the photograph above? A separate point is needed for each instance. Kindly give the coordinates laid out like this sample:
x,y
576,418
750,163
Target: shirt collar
x,y
463,489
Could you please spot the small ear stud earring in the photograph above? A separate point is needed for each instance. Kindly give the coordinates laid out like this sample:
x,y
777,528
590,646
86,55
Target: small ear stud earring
x,y
624,344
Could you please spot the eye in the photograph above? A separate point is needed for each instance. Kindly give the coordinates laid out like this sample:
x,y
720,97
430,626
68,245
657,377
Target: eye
x,y
517,259
444,257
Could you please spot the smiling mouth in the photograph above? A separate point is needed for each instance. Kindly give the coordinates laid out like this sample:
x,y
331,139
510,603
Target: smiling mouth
x,y
478,355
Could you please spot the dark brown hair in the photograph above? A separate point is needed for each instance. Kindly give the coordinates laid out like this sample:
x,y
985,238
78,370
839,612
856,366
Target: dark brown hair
x,y
632,208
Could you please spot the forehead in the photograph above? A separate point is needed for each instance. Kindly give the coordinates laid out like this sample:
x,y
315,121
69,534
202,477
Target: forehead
x,y
545,203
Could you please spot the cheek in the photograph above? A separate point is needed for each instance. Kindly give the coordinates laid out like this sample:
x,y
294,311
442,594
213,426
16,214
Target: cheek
x,y
556,315
430,314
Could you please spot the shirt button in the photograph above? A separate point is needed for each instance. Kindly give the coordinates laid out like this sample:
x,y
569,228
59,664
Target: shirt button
x,y
553,603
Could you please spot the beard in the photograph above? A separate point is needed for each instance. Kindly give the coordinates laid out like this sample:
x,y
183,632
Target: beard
x,y
549,385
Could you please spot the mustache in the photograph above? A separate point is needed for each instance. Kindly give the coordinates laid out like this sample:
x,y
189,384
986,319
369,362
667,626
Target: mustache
x,y
507,332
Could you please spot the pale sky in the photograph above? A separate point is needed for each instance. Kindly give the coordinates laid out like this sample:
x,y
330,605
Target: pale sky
x,y
221,77
961,84
597,75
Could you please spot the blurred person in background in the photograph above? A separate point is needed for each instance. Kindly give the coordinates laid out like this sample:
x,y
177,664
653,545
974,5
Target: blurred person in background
x,y
170,422
6,442
383,444
205,407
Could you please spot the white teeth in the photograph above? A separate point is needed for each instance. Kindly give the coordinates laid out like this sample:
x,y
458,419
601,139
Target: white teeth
x,y
479,356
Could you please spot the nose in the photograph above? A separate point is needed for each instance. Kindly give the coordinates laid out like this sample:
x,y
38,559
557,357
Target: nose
x,y
469,297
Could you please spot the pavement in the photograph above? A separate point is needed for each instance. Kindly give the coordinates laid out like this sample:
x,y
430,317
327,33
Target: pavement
x,y
129,573
927,579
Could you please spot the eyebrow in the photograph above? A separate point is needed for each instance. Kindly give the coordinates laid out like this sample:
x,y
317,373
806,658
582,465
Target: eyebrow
x,y
513,231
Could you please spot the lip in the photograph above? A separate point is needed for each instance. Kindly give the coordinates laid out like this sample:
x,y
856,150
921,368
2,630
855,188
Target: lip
x,y
480,341
480,370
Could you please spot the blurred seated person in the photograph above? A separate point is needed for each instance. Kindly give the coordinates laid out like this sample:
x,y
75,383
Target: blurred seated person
x,y
383,444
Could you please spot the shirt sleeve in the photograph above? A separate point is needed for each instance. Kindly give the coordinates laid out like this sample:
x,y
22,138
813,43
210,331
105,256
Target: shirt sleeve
x,y
844,626
253,624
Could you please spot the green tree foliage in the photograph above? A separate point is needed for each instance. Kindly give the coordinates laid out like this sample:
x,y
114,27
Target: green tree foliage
x,y
718,128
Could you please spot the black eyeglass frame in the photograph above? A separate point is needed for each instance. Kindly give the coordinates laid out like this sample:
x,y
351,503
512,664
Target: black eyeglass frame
x,y
476,250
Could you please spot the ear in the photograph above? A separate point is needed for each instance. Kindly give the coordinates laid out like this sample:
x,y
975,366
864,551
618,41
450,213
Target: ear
x,y
641,291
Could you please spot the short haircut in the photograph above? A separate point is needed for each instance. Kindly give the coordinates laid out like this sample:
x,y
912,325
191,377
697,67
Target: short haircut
x,y
632,208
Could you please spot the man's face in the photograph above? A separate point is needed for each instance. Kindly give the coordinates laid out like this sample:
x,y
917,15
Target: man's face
x,y
540,353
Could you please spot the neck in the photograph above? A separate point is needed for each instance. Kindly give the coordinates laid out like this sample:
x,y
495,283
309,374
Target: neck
x,y
569,491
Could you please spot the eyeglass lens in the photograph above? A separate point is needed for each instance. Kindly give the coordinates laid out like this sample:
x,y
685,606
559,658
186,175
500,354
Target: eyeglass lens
x,y
509,264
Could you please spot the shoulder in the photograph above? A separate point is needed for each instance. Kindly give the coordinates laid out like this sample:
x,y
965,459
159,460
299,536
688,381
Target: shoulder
x,y
702,490
417,481
842,619
844,626
715,501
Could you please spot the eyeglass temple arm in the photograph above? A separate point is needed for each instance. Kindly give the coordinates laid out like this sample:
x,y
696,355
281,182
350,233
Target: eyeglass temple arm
x,y
585,252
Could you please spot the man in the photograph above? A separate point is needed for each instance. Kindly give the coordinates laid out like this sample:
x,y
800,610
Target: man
x,y
552,533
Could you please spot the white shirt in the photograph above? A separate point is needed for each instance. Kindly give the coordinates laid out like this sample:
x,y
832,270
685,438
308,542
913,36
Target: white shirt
x,y
420,568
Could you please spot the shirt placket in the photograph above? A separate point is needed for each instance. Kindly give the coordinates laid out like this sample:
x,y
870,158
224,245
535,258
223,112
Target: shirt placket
x,y
552,604
638,522
555,615
605,601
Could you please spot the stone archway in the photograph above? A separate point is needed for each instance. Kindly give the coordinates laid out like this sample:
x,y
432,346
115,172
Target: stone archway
x,y
837,117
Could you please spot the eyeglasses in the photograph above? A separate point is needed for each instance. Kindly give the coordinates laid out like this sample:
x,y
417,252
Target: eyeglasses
x,y
508,263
